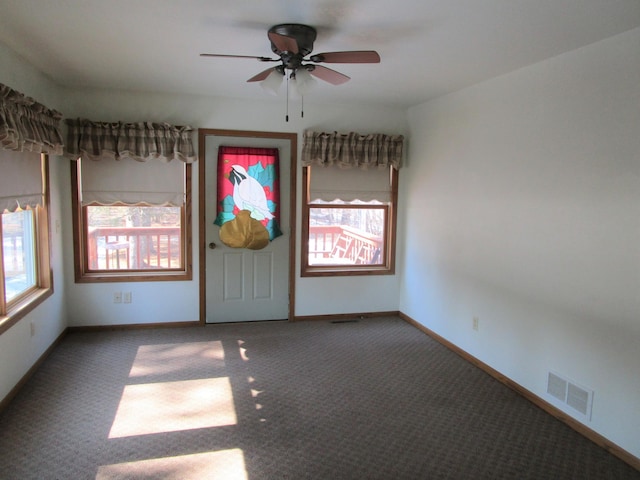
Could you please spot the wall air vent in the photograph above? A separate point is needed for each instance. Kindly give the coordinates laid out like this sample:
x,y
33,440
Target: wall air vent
x,y
579,399
557,387
575,396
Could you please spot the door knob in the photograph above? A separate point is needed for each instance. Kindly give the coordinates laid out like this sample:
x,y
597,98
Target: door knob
x,y
212,245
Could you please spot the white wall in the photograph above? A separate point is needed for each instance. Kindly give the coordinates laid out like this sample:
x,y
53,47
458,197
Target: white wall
x,y
18,349
521,207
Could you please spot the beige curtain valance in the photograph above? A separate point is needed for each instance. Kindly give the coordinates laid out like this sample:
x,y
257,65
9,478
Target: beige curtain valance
x,y
140,141
26,125
352,149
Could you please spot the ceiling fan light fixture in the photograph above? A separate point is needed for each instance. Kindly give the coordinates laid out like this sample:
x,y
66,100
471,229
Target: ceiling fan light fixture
x,y
303,82
272,83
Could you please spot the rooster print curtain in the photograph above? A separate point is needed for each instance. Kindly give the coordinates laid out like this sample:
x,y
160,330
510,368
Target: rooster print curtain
x,y
248,196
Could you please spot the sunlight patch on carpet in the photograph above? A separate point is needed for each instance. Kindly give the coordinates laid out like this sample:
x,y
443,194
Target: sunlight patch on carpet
x,y
174,406
152,360
243,351
225,464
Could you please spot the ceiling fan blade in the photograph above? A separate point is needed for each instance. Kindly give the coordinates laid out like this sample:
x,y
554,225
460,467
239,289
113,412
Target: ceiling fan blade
x,y
262,75
262,59
356,56
283,43
328,75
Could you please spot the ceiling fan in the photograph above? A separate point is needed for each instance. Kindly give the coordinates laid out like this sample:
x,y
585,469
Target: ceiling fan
x,y
293,42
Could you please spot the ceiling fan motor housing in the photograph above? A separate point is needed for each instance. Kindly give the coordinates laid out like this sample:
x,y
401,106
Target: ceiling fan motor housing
x,y
304,36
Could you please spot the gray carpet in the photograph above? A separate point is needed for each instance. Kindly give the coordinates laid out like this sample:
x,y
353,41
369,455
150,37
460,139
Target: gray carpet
x,y
374,399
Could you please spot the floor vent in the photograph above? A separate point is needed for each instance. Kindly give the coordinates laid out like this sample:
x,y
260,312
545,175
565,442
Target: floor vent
x,y
571,394
344,321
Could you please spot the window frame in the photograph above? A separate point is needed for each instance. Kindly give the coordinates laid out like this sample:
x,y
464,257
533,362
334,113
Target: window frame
x,y
11,312
80,241
388,265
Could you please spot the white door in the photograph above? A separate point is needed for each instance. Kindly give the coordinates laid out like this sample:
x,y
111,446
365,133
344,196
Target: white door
x,y
240,284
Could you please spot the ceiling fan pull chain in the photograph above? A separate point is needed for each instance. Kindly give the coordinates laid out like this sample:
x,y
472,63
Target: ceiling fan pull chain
x,y
301,106
287,114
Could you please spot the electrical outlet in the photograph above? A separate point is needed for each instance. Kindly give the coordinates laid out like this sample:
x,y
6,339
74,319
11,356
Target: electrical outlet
x,y
476,323
117,297
126,297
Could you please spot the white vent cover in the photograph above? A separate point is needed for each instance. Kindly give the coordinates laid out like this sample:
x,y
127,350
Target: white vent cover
x,y
579,398
557,387
571,394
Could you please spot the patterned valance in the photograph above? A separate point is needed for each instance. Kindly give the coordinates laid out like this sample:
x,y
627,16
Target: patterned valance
x,y
352,149
26,125
140,141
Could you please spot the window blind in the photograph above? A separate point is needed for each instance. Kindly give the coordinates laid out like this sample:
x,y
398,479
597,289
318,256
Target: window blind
x,y
328,184
20,180
109,181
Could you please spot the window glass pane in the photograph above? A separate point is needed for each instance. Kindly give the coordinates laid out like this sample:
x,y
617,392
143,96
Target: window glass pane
x,y
19,252
134,237
346,236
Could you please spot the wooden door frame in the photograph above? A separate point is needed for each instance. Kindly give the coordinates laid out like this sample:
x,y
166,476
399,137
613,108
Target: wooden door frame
x,y
203,133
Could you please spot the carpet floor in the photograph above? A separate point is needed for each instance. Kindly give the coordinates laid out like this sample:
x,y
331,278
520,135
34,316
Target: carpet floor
x,y
369,399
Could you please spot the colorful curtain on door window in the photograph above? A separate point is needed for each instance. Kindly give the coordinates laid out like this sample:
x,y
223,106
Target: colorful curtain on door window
x,y
248,196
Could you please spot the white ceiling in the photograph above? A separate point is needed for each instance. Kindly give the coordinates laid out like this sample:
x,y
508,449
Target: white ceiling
x,y
428,47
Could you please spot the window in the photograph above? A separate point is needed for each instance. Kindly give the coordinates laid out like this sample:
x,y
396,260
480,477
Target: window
x,y
25,274
350,206
349,221
132,220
